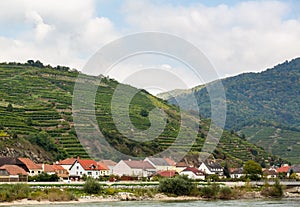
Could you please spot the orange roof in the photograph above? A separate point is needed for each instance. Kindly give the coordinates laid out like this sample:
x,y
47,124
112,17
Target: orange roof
x,y
88,164
109,162
283,169
58,167
30,164
13,170
102,166
68,161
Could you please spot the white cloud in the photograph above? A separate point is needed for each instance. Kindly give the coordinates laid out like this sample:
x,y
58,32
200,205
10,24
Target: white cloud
x,y
248,36
55,32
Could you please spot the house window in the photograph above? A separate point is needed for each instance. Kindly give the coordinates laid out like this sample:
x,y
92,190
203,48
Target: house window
x,y
77,167
89,173
32,171
39,172
80,173
76,173
96,173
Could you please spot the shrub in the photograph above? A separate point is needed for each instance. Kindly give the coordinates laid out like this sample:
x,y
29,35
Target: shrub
x,y
14,192
225,193
210,191
92,186
179,185
272,191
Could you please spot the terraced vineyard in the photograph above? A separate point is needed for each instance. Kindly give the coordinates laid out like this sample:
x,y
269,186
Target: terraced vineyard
x,y
40,115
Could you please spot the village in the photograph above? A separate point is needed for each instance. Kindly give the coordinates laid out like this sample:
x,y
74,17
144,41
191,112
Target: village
x,y
77,169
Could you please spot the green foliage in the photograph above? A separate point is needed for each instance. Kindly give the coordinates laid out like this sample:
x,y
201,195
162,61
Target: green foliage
x,y
13,192
226,193
210,191
272,191
44,140
226,170
9,108
92,186
252,170
179,185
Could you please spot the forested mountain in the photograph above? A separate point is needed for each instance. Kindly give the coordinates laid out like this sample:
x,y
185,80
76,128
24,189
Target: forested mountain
x,y
263,106
36,119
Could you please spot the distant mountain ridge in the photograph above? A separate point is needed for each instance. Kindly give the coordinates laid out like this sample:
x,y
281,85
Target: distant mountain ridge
x,y
265,106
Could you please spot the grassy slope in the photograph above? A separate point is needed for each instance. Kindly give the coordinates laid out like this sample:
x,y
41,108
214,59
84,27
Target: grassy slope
x,y
42,97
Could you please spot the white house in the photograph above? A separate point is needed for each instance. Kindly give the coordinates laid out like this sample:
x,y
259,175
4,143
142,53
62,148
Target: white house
x,y
209,167
159,163
193,173
87,167
33,169
110,164
134,168
236,173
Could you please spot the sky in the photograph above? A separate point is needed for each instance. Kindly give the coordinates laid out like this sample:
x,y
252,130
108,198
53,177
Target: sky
x,y
236,36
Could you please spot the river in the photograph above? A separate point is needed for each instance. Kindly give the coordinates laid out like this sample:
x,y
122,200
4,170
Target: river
x,y
229,203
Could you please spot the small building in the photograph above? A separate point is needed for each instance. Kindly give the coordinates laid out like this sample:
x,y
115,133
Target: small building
x,y
270,173
295,169
166,174
193,173
110,164
285,169
236,173
33,169
13,173
138,168
210,167
103,168
159,163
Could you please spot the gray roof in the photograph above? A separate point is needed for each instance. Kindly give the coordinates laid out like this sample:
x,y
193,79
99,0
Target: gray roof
x,y
159,161
295,168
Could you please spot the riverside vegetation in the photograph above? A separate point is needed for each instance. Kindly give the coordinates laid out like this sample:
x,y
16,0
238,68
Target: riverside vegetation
x,y
172,187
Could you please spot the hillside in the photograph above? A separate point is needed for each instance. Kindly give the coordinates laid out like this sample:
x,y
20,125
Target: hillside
x,y
36,119
263,106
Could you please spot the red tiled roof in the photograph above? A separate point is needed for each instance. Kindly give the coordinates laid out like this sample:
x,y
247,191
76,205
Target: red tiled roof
x,y
167,173
13,170
139,164
30,164
194,170
68,161
88,164
58,167
283,169
102,166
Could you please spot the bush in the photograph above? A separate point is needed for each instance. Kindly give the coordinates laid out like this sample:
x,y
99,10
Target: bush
x,y
14,192
272,191
225,193
179,185
92,186
210,191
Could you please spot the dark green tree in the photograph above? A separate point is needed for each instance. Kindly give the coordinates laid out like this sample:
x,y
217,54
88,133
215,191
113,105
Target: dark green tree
x,y
9,108
253,170
226,170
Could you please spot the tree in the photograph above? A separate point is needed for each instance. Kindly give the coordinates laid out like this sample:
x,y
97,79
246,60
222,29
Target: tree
x,y
179,185
252,170
144,113
226,171
9,108
91,186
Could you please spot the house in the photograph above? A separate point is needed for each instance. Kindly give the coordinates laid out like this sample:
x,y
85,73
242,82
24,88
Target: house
x,y
159,163
12,161
295,169
180,166
13,173
33,169
193,173
170,161
86,167
103,168
167,173
270,173
210,167
55,169
283,170
137,168
236,173
110,164
66,163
